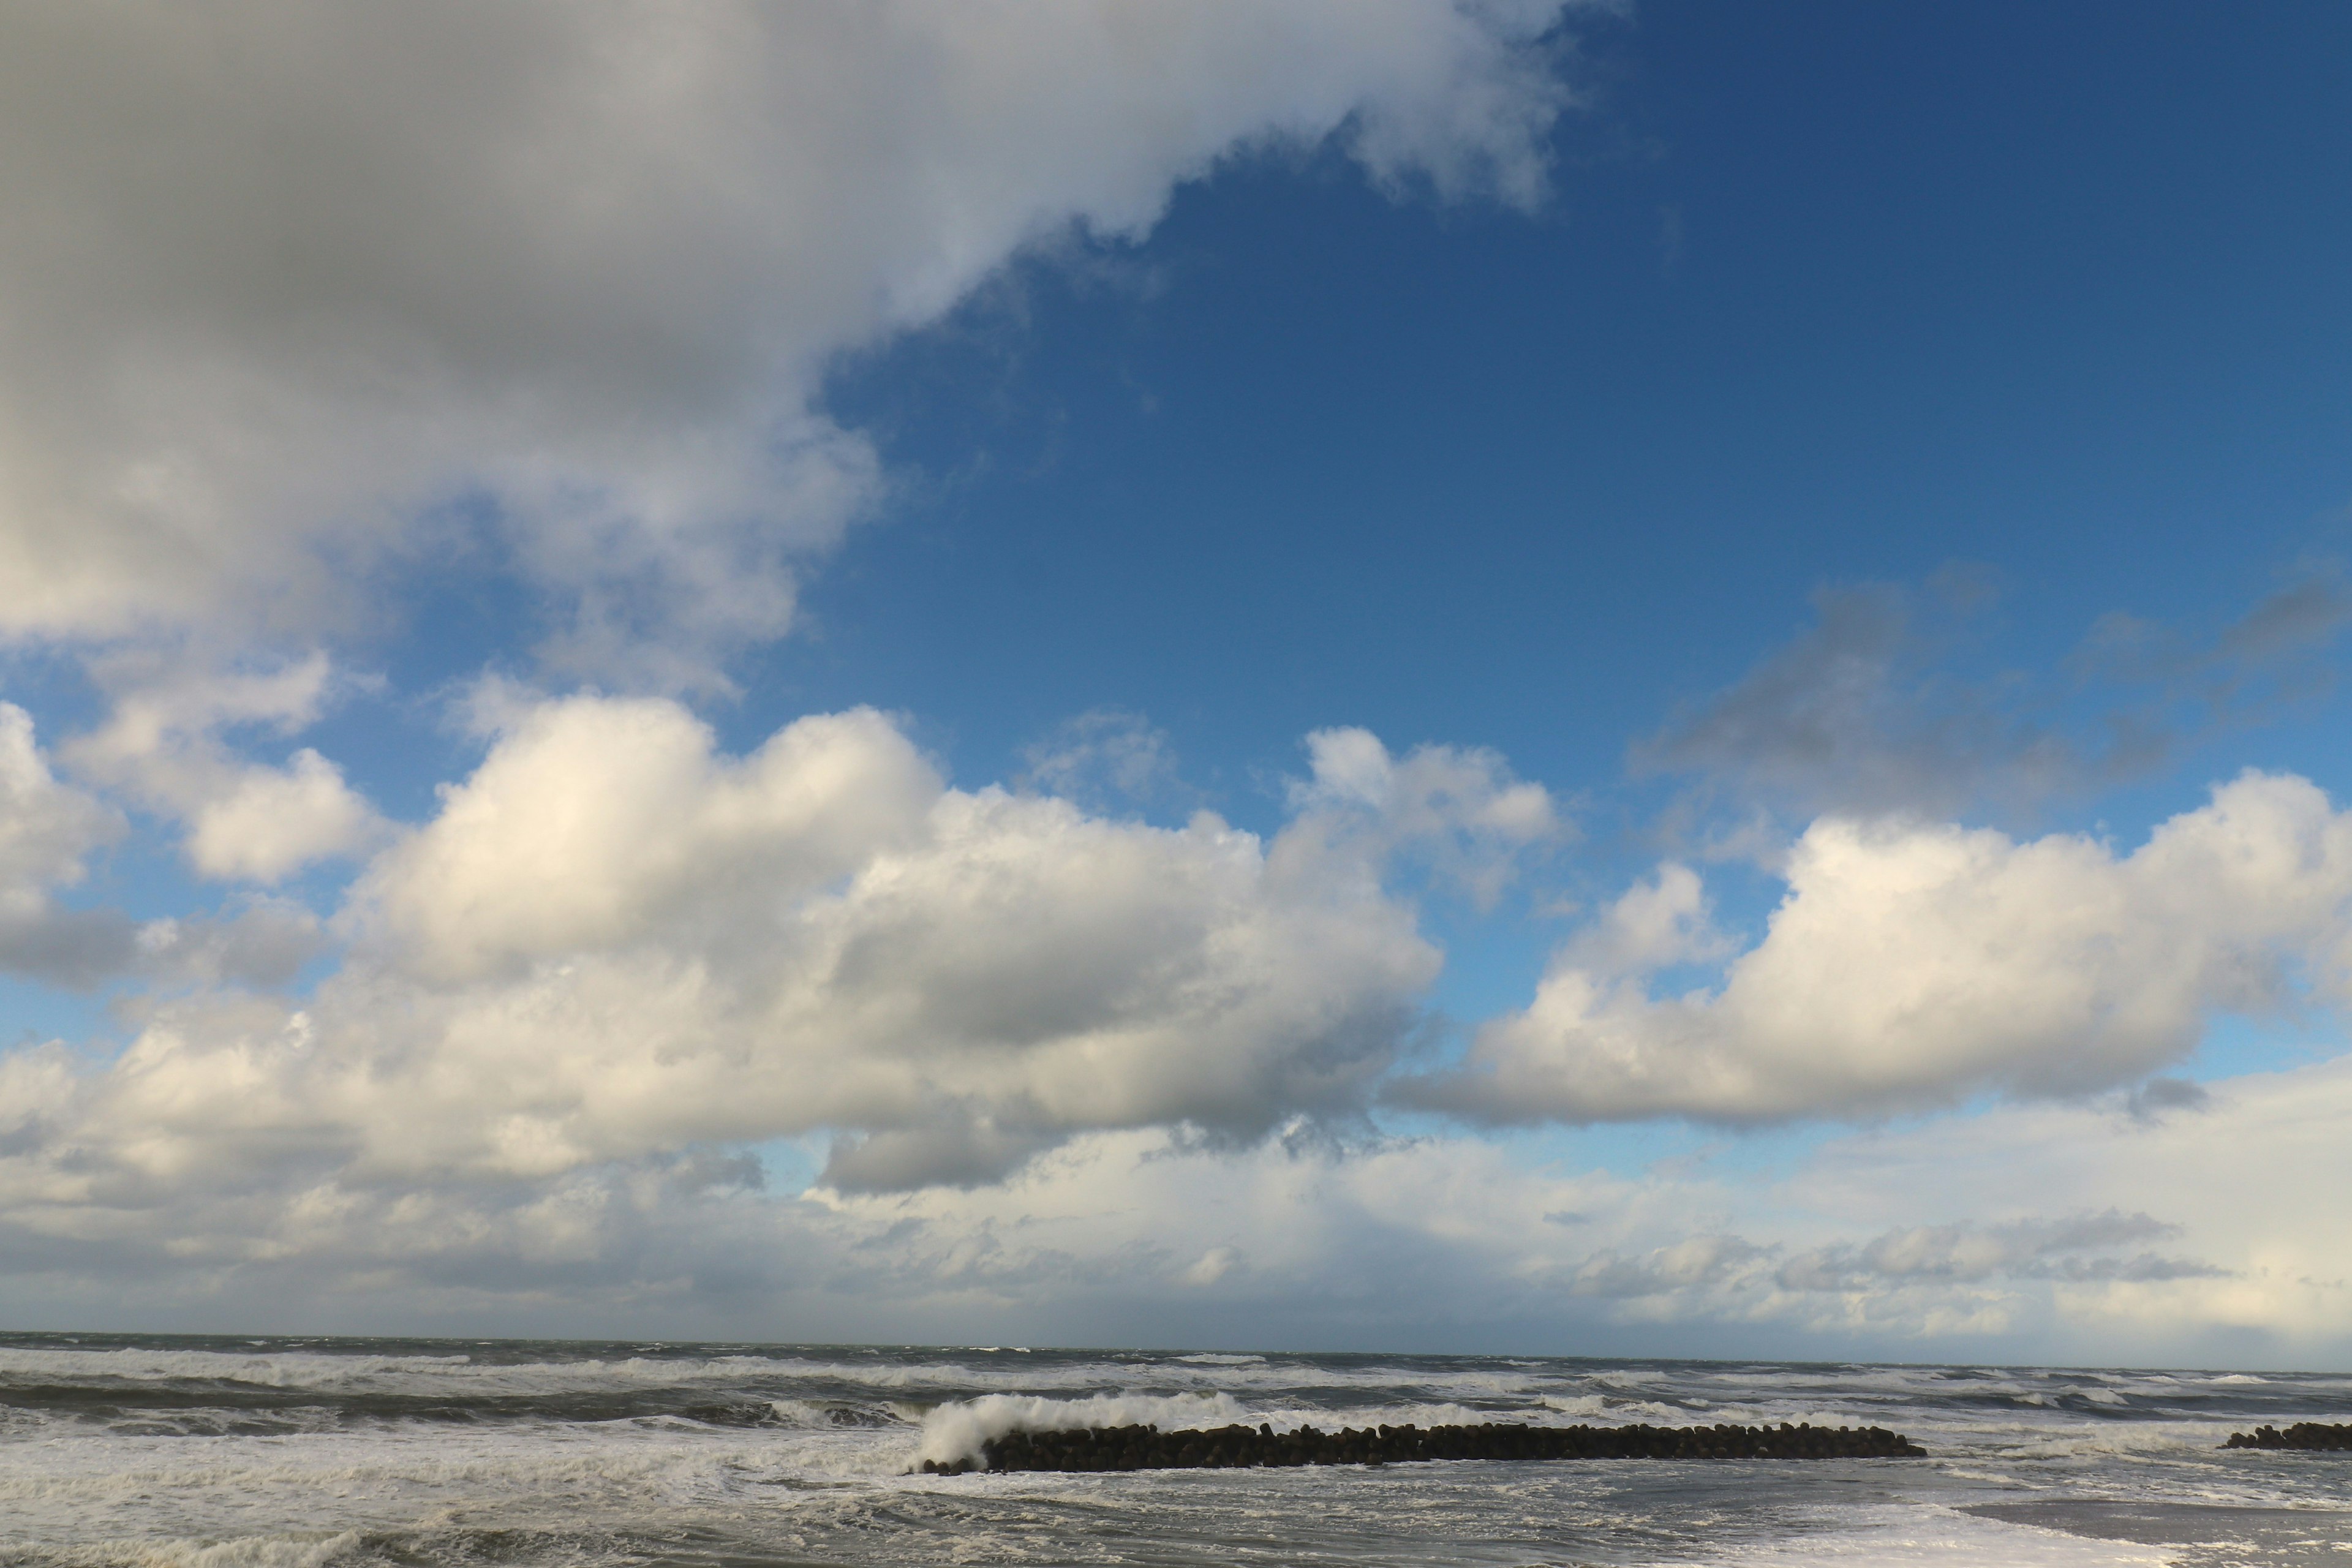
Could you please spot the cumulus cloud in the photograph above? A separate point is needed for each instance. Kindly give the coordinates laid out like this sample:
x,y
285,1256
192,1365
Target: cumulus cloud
x,y
48,828
306,304
295,288
597,824
1458,811
263,944
1910,965
614,943
273,821
163,745
1048,1049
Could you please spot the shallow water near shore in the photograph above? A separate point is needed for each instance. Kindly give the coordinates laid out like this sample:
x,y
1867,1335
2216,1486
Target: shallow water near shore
x,y
315,1453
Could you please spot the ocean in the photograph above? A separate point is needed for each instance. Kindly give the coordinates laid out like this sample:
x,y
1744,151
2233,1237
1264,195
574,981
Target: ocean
x,y
176,1452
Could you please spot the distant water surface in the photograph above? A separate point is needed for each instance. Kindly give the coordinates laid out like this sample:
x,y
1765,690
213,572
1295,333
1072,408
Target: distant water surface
x,y
319,1452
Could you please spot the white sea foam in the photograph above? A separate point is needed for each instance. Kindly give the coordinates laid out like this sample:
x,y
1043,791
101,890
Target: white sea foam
x,y
250,1551
279,1370
115,1486
821,1415
1602,1409
956,1431
462,1376
1900,1536
2137,1438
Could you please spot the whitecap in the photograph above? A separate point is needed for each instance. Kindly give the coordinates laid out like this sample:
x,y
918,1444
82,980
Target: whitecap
x,y
956,1430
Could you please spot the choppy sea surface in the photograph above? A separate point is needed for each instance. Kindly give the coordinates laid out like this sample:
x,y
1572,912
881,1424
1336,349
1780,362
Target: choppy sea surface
x,y
223,1452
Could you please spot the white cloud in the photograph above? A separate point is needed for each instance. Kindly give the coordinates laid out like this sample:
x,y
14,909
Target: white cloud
x,y
274,821
615,943
1912,965
293,289
597,823
1053,1046
1210,1267
162,744
46,827
47,830
1458,811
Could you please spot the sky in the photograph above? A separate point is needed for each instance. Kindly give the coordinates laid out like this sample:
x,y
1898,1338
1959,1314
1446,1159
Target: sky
x,y
1441,675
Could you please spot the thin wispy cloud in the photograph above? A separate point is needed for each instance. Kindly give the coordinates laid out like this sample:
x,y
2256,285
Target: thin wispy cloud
x,y
1864,713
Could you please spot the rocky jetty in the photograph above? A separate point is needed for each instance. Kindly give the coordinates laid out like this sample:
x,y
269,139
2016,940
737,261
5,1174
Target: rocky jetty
x,y
1242,1448
2308,1436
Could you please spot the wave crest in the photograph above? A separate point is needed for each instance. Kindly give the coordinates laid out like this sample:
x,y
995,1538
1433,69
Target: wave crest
x,y
956,1431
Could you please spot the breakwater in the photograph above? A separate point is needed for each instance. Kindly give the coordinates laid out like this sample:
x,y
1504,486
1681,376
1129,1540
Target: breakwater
x,y
1243,1447
2307,1436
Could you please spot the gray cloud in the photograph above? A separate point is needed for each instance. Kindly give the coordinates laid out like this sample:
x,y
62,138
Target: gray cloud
x,y
1851,717
1856,716
265,943
2078,1249
1701,1263
77,949
2160,1095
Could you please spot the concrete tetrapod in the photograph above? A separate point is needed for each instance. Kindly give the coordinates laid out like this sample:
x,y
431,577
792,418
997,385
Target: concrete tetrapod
x,y
2307,1436
1241,1447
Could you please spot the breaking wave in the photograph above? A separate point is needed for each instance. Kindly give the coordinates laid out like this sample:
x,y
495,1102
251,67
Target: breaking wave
x,y
130,1452
956,1431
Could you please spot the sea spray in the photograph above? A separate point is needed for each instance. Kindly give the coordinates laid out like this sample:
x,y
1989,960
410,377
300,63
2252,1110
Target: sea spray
x,y
956,1432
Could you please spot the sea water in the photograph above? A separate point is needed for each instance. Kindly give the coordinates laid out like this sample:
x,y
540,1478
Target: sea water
x,y
226,1452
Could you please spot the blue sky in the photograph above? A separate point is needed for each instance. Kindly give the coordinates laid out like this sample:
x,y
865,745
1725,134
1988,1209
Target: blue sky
x,y
1685,548
1311,456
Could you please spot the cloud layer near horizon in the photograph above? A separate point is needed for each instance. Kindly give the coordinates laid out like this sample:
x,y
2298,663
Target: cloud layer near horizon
x,y
2082,1232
